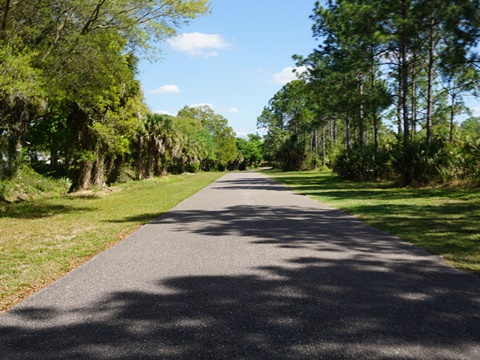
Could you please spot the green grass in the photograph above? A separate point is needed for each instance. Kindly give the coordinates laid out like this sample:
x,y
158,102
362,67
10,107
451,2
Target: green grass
x,y
43,238
446,221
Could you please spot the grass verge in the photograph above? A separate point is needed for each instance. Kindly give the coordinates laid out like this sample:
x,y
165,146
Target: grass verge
x,y
445,221
44,238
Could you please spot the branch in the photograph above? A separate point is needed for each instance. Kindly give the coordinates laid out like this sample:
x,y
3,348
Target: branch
x,y
5,16
93,17
58,33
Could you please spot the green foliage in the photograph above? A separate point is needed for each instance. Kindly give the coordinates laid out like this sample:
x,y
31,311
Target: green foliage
x,y
249,151
292,154
471,127
196,139
222,147
441,162
67,79
29,184
470,155
409,65
356,163
193,167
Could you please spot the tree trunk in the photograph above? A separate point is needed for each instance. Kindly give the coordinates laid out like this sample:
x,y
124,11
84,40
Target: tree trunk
x,y
452,116
430,75
6,10
404,70
182,164
360,114
115,169
375,128
324,154
163,164
140,161
399,103
347,131
334,132
82,176
407,176
98,170
79,121
14,154
414,95
150,156
156,164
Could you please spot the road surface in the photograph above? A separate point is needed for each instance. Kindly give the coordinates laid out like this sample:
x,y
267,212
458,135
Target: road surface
x,y
246,269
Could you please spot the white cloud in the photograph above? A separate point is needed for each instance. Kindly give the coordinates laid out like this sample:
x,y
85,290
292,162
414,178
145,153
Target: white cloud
x,y
163,112
210,105
166,89
475,110
241,134
199,44
233,110
288,74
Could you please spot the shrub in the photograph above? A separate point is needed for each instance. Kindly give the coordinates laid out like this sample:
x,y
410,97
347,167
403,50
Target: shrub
x,y
356,163
193,167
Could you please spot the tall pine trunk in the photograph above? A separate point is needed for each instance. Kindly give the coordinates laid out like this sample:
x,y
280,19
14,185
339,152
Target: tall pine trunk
x,y
347,131
399,103
361,135
430,78
375,125
452,116
404,72
324,152
414,94
407,173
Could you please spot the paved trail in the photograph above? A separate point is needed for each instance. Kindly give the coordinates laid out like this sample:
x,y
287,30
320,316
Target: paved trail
x,y
245,269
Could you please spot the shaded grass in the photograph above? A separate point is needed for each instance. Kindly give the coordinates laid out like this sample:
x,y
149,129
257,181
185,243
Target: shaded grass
x,y
42,239
445,221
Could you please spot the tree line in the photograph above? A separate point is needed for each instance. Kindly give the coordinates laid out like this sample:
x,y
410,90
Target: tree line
x,y
71,105
383,93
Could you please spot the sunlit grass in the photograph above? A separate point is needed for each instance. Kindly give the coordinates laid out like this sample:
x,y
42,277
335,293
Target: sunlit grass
x,y
445,221
42,239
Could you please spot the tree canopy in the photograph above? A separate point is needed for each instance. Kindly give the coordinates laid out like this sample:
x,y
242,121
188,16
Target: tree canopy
x,y
383,97
67,78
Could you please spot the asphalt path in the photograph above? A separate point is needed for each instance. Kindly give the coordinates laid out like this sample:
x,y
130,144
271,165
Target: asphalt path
x,y
246,269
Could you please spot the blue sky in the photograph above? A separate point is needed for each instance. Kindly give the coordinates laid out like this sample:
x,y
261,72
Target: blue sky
x,y
235,60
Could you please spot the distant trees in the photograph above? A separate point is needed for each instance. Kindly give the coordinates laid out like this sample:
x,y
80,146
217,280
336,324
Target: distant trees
x,y
67,80
250,152
218,136
380,63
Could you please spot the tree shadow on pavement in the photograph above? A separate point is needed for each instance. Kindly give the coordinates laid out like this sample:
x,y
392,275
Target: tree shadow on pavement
x,y
249,184
308,309
293,227
366,295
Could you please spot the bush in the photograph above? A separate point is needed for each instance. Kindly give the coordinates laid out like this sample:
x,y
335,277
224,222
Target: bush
x,y
470,155
292,154
410,161
310,162
439,162
29,184
357,163
193,168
